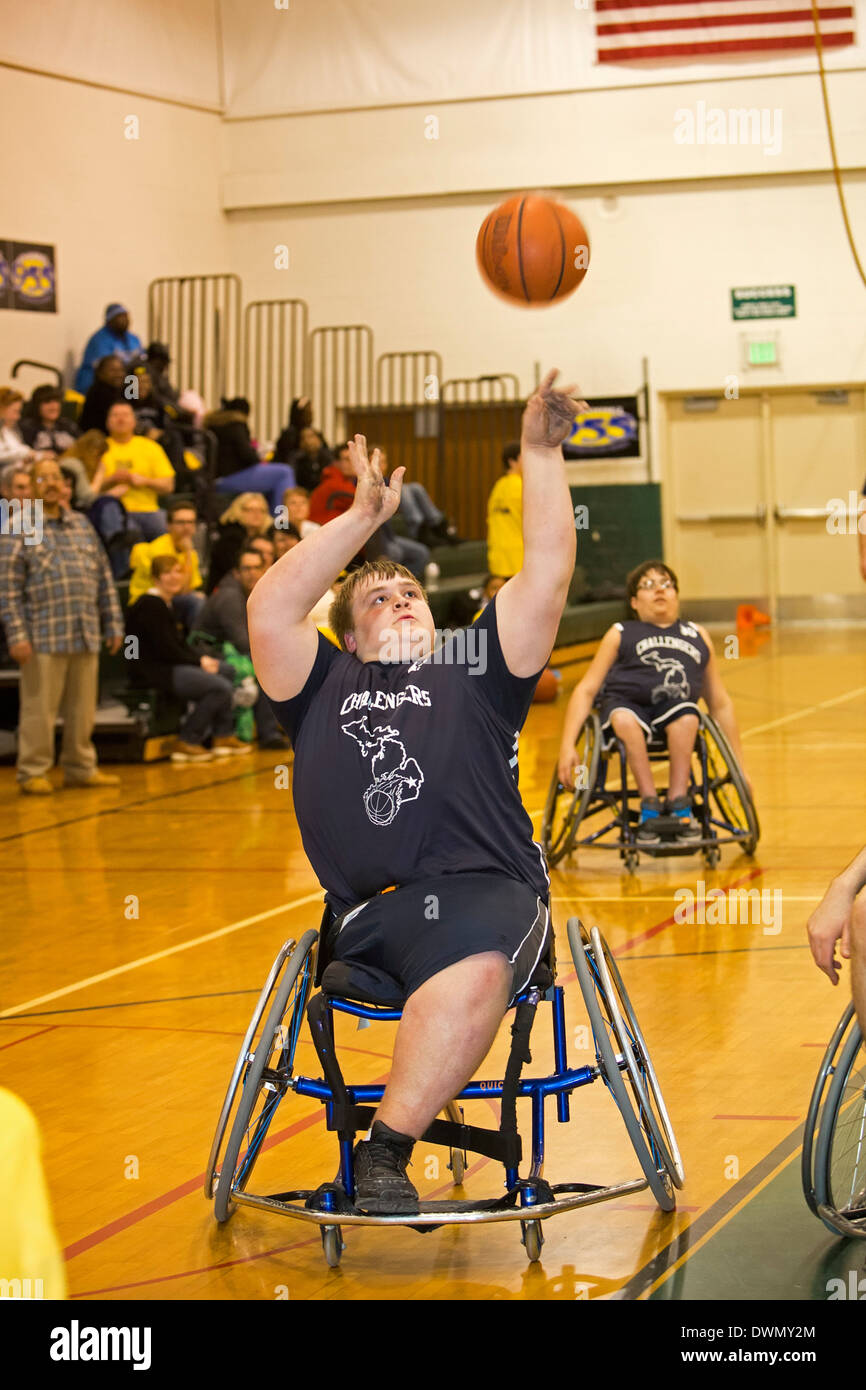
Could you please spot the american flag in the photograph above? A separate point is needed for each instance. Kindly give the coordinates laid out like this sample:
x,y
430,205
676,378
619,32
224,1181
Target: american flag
x,y
629,29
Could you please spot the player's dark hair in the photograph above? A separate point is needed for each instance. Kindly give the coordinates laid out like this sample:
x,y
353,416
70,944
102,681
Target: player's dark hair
x,y
634,579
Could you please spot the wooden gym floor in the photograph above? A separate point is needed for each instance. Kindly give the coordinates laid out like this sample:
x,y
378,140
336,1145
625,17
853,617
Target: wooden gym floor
x,y
121,1031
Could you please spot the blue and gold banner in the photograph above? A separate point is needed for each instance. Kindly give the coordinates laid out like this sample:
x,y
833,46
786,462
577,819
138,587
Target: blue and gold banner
x,y
27,277
610,427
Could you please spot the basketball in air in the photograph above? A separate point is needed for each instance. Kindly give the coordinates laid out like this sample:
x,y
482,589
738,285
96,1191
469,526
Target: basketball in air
x,y
533,250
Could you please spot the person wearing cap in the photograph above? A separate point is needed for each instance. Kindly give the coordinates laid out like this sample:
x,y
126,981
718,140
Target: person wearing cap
x,y
164,394
112,340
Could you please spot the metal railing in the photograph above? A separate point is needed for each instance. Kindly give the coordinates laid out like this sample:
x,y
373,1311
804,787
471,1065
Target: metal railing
x,y
199,317
274,361
339,373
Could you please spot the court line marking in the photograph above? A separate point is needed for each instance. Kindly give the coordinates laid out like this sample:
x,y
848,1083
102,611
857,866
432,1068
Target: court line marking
x,y
161,955
38,1034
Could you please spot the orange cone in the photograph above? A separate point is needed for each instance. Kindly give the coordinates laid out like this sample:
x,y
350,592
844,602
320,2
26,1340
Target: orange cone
x,y
750,616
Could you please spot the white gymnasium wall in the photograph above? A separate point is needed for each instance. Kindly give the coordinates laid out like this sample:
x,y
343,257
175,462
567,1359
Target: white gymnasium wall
x,y
118,211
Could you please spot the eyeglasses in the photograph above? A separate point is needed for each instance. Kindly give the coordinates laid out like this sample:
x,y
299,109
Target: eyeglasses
x,y
647,584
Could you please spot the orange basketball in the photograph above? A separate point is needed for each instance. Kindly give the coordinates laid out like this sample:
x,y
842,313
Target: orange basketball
x,y
532,250
547,688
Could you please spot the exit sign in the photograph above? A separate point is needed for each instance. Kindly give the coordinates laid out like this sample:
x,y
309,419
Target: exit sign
x,y
764,302
763,354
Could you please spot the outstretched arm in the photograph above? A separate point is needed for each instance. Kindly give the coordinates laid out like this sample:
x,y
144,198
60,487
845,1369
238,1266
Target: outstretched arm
x,y
831,921
530,605
283,637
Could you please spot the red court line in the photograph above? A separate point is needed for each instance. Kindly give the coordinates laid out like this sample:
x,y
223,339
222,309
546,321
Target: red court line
x,y
132,1218
659,926
263,1254
28,1036
790,1119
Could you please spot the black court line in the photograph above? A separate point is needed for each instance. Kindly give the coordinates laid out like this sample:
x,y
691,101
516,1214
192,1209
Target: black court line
x,y
132,1004
133,805
660,1263
723,951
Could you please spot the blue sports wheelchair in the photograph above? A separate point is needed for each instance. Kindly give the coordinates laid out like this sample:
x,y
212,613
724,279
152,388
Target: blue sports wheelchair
x,y
603,811
833,1166
266,1071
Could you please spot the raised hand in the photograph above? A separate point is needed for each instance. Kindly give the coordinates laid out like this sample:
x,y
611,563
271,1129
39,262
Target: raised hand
x,y
549,414
374,498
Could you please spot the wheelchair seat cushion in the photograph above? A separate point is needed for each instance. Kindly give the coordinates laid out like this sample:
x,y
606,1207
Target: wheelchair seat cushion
x,y
389,946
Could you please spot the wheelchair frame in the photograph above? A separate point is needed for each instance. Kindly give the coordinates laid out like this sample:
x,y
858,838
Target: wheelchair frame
x,y
713,786
264,1073
836,1097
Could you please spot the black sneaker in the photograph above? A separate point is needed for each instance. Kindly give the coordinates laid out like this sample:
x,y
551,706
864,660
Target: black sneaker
x,y
381,1185
687,827
647,831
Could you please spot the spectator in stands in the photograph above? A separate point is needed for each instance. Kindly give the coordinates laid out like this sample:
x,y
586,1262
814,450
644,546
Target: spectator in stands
x,y
67,488
84,458
285,538
423,520
164,393
13,448
296,501
300,417
505,517
153,422
385,542
336,492
57,600
113,339
266,548
43,427
246,518
238,467
310,459
224,617
140,466
492,584
106,390
15,481
167,663
177,543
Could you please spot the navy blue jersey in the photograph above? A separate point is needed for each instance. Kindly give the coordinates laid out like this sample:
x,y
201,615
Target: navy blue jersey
x,y
409,771
657,665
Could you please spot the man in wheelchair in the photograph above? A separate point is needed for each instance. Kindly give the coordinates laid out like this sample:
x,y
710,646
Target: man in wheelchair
x,y
405,779
648,675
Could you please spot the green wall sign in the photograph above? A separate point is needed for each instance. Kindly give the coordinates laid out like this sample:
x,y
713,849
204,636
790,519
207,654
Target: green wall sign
x,y
764,302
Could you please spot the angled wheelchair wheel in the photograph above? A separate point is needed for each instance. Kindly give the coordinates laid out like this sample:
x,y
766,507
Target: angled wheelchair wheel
x,y
532,1237
565,809
332,1245
814,1115
624,1063
840,1149
265,1074
730,798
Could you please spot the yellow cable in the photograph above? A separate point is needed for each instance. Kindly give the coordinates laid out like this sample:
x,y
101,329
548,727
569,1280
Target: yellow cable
x,y
836,172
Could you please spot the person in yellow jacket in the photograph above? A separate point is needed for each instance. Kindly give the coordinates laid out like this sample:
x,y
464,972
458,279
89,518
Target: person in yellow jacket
x,y
178,541
31,1263
505,517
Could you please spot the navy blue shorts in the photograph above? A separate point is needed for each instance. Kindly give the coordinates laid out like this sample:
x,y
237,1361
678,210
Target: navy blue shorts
x,y
651,717
408,935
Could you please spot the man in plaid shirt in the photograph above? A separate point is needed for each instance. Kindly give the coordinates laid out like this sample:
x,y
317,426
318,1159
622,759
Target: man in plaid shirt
x,y
57,597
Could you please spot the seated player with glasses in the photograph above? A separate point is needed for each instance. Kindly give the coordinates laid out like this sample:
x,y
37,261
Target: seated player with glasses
x,y
405,779
648,675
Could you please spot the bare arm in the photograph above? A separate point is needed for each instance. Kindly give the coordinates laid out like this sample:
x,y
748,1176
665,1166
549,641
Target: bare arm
x,y
720,704
831,920
530,605
283,637
581,702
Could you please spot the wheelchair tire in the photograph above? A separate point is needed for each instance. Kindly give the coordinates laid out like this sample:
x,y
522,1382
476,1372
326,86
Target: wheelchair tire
x,y
728,789
247,1048
267,1073
564,810
332,1244
533,1239
814,1114
630,1085
840,1149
